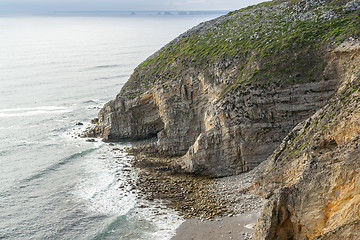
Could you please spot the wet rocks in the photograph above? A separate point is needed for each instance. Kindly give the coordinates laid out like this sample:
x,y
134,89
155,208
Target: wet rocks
x,y
95,121
190,195
196,196
91,140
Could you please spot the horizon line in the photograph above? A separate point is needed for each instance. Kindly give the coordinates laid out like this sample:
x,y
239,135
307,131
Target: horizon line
x,y
123,12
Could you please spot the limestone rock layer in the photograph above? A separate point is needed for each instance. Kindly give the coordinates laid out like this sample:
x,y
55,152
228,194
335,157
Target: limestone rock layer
x,y
222,96
312,179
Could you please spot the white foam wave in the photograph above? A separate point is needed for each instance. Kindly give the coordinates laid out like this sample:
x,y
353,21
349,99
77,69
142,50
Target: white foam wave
x,y
98,101
105,191
165,220
47,108
34,111
108,190
7,127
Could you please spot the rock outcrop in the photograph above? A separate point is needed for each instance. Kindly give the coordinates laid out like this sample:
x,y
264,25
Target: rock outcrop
x,y
313,178
223,95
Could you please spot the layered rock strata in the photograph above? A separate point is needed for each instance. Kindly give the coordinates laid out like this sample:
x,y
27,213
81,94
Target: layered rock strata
x,y
227,94
223,95
313,178
213,138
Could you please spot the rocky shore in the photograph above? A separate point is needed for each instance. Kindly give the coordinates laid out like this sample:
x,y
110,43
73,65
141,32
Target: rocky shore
x,y
200,199
194,196
319,147
236,192
190,195
272,84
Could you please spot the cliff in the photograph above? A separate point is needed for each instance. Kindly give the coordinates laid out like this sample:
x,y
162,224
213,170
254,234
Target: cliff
x,y
222,96
313,177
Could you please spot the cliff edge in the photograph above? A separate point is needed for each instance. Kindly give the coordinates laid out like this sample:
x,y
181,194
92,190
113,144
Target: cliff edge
x,y
222,96
312,179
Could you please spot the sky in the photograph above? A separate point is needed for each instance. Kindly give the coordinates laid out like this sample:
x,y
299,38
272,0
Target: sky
x,y
121,5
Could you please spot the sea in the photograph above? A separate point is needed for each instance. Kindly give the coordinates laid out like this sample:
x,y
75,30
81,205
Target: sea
x,y
56,72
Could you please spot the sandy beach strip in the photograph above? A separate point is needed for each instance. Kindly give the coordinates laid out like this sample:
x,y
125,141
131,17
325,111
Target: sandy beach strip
x,y
240,227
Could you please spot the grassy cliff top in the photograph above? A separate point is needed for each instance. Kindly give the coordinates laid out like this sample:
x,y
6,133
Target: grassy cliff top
x,y
280,42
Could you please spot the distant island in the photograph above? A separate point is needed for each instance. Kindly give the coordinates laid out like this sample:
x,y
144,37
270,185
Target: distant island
x,y
139,13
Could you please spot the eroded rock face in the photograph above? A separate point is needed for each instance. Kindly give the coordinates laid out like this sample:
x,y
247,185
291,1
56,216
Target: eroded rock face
x,y
224,116
130,124
216,138
173,115
247,127
313,178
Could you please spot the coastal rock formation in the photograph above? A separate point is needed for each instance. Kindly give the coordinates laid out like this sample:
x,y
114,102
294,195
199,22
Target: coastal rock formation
x,y
223,95
313,177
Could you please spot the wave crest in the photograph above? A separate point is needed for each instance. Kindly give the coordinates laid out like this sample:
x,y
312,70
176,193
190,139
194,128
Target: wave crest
x,y
34,111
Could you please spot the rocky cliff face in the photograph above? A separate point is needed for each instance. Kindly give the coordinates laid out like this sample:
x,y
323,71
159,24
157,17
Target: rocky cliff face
x,y
313,178
223,95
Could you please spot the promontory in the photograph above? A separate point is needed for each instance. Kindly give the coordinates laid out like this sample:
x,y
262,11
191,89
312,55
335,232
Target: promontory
x,y
276,83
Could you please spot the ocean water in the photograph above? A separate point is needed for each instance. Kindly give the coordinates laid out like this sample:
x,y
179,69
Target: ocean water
x,y
56,71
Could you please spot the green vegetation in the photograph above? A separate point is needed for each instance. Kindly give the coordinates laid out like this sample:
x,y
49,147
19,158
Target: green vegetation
x,y
274,42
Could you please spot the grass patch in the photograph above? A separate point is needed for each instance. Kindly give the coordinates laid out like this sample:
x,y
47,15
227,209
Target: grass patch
x,y
286,45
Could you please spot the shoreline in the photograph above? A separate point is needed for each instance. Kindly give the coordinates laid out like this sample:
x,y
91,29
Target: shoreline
x,y
191,196
239,227
220,208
